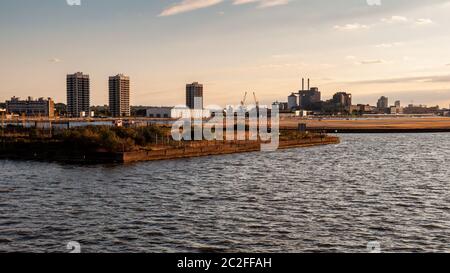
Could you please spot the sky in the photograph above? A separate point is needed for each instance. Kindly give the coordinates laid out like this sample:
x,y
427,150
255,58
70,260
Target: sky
x,y
370,48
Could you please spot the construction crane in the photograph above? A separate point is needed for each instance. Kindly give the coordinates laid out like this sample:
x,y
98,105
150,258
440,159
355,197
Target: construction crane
x,y
244,99
256,100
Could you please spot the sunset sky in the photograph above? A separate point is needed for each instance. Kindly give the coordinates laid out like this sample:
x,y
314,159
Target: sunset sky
x,y
400,49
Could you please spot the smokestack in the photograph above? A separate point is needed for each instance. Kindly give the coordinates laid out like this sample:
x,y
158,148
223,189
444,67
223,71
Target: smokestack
x,y
303,84
308,85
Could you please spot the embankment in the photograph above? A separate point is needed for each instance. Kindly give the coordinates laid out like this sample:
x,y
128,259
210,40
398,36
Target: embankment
x,y
371,125
53,151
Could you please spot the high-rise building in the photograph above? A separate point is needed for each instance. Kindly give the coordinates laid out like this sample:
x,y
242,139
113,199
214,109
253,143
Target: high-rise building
x,y
398,104
119,96
30,107
194,96
383,103
78,94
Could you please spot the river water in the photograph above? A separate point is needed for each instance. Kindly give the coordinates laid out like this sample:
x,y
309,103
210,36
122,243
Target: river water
x,y
389,188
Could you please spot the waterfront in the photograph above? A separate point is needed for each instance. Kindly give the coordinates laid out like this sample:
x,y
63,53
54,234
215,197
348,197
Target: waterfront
x,y
391,188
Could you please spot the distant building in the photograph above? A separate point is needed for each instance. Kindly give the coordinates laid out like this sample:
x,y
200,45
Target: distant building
x,y
301,113
184,112
194,96
340,103
30,107
383,103
119,96
420,109
282,106
394,110
170,112
139,111
159,112
61,109
343,99
308,99
101,111
78,94
293,102
365,109
354,109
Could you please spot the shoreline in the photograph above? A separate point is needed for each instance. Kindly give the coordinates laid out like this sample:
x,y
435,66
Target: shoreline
x,y
41,153
370,126
377,130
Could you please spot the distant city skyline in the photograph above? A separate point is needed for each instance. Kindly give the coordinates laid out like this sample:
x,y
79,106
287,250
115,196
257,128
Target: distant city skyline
x,y
398,49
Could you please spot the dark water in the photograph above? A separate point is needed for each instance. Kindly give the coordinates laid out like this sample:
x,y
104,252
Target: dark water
x,y
394,189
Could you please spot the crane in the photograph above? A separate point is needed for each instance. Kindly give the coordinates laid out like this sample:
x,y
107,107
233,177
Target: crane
x,y
244,99
256,100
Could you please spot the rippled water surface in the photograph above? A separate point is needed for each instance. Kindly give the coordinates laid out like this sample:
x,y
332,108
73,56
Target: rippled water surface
x,y
394,189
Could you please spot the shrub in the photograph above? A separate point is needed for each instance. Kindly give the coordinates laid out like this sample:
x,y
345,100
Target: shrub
x,y
111,139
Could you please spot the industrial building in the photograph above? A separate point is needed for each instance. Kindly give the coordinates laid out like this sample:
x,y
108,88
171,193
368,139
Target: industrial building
x,y
309,98
119,96
78,95
305,99
293,102
30,107
282,106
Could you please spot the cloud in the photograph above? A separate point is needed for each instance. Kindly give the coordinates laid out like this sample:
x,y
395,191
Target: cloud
x,y
401,19
424,22
272,3
188,5
351,27
262,3
55,60
389,45
423,79
365,62
191,5
395,19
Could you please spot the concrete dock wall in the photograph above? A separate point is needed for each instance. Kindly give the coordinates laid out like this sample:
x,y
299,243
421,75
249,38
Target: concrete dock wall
x,y
59,153
219,149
